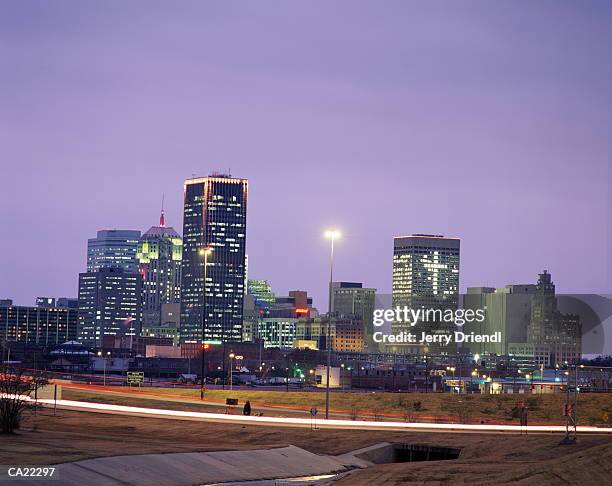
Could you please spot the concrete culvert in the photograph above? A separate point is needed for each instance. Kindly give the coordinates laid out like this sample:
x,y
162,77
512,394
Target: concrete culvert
x,y
402,452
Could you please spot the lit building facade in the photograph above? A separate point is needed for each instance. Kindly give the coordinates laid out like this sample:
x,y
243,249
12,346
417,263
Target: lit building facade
x,y
277,332
160,252
262,291
109,305
351,299
426,276
113,249
215,212
38,325
348,335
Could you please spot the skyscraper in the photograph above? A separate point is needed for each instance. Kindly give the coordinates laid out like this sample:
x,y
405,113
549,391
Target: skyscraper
x,y
351,299
425,276
214,217
113,249
159,255
109,304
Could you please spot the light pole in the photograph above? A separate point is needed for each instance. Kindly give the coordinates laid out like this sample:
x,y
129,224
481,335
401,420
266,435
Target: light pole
x,y
331,235
231,357
204,252
104,365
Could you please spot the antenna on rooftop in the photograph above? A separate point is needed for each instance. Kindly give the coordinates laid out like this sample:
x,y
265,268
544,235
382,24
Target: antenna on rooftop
x,y
162,219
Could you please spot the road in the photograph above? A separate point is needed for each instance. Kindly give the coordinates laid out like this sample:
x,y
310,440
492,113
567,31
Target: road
x,y
308,422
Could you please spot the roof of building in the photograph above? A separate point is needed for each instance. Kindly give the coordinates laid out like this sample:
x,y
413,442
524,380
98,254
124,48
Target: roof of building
x,y
159,231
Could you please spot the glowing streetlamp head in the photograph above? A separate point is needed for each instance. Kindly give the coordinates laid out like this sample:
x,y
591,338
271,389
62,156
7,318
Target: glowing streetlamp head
x,y
332,234
205,251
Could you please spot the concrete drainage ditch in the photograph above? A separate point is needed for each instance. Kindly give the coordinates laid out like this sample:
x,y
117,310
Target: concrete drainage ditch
x,y
387,453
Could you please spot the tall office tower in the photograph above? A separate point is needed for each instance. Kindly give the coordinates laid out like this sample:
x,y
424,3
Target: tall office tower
x,y
214,217
160,252
351,299
426,276
506,310
109,304
113,249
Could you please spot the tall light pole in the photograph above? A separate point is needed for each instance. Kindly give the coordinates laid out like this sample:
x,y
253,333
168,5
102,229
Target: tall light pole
x,y
231,357
331,235
104,364
204,252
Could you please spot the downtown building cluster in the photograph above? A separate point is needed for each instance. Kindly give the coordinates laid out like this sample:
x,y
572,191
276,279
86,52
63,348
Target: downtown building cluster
x,y
178,294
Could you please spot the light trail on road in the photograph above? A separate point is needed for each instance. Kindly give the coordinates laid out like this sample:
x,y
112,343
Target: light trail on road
x,y
308,422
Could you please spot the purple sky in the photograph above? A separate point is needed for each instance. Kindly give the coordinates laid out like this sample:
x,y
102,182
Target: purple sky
x,y
483,120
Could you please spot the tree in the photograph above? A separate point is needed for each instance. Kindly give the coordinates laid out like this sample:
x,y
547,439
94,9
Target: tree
x,y
16,390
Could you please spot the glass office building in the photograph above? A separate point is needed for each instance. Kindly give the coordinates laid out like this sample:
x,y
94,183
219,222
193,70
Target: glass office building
x,y
425,276
109,305
37,325
160,252
215,210
351,299
113,249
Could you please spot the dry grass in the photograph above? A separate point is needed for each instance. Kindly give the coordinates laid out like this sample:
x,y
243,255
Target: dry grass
x,y
594,409
485,459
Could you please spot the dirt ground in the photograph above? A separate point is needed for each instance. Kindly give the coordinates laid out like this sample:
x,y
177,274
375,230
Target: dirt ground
x,y
540,462
485,459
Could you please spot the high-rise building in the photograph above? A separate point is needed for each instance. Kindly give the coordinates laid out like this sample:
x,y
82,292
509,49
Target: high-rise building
x,y
110,303
507,310
425,276
543,309
37,325
562,333
113,249
351,299
160,252
215,211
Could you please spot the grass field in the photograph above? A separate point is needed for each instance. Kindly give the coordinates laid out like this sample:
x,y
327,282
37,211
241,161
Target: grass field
x,y
593,409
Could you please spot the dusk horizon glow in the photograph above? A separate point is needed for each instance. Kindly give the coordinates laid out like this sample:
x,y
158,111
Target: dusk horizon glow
x,y
490,125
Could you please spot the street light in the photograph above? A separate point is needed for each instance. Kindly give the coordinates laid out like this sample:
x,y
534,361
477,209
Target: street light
x,y
107,354
331,235
204,252
231,357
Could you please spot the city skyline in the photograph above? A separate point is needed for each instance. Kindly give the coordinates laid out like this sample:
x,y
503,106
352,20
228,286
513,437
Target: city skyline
x,y
300,117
